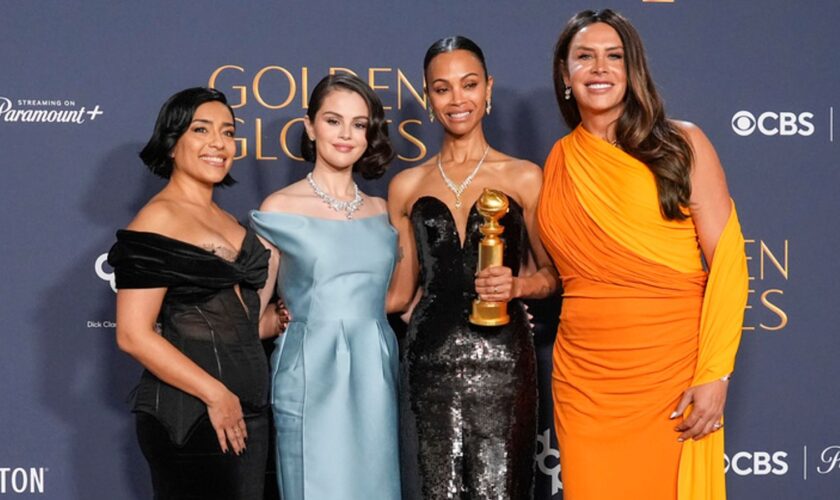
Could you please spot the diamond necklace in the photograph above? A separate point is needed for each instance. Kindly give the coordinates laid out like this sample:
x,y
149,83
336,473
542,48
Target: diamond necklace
x,y
459,188
348,207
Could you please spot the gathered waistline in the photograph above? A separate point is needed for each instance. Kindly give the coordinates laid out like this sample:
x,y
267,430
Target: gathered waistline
x,y
324,319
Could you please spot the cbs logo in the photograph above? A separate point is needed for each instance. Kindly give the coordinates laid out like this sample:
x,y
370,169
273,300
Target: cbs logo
x,y
102,273
757,463
770,123
548,460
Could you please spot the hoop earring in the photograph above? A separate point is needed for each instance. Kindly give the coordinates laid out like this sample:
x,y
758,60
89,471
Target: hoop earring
x,y
487,107
431,115
567,94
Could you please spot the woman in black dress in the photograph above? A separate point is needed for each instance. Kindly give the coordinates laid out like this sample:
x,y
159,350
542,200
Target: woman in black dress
x,y
469,409
188,309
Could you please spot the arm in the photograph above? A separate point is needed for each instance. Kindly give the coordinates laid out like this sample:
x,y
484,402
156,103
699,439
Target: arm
x,y
710,201
267,291
137,312
498,283
404,280
273,316
710,207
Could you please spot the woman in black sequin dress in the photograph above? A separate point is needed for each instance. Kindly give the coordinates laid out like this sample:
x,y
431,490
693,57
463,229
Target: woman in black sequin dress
x,y
189,310
469,394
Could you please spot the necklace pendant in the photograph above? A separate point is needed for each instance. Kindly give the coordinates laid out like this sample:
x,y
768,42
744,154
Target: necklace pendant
x,y
460,188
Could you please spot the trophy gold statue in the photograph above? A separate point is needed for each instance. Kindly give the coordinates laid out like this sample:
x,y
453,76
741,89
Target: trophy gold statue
x,y
492,205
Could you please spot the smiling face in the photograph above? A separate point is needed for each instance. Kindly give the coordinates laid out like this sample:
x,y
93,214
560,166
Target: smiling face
x,y
595,70
205,150
458,90
339,129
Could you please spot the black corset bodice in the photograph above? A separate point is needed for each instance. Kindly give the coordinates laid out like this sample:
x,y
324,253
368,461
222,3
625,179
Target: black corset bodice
x,y
448,270
447,277
202,316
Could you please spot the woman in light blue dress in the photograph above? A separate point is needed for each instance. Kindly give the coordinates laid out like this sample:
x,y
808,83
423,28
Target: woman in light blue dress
x,y
335,370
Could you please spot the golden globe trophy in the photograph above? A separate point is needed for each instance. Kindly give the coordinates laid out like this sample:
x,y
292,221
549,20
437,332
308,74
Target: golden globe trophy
x,y
492,205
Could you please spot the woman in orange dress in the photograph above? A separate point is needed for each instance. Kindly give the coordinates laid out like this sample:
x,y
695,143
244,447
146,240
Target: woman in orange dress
x,y
632,206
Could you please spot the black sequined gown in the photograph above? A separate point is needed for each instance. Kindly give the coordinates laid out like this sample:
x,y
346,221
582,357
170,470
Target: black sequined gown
x,y
469,393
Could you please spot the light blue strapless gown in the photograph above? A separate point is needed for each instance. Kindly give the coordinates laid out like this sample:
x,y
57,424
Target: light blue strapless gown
x,y
335,370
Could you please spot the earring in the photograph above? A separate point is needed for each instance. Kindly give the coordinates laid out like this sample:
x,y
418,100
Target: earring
x,y
487,107
567,93
431,114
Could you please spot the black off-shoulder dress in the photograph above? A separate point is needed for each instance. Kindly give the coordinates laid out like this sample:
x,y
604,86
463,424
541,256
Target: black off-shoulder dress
x,y
204,318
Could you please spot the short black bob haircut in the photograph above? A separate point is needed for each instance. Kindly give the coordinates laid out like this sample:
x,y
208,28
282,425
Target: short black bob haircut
x,y
379,152
172,121
453,43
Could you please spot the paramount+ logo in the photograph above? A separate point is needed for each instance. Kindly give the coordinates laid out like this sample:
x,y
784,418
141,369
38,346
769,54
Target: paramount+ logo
x,y
773,123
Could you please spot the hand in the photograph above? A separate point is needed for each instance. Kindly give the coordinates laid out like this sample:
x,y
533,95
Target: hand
x,y
496,284
275,320
706,415
226,418
284,317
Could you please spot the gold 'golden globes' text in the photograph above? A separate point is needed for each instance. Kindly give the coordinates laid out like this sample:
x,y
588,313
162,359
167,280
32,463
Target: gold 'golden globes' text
x,y
284,93
769,270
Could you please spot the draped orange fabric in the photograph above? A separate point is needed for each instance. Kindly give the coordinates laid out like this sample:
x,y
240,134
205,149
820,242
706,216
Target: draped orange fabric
x,y
639,325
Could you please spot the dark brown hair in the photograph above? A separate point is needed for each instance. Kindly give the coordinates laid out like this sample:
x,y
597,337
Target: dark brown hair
x,y
450,44
643,130
379,152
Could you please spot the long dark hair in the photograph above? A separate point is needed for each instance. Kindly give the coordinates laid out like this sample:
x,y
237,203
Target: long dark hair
x,y
643,130
175,116
379,152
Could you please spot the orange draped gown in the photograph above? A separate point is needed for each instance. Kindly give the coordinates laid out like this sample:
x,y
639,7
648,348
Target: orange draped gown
x,y
641,322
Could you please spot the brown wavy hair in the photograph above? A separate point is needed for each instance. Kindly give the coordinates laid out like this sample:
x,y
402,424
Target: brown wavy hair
x,y
643,130
379,153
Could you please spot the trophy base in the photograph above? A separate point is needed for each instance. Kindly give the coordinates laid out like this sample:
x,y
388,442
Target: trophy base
x,y
489,313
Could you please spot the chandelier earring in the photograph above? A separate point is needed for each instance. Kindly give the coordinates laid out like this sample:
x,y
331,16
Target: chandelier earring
x,y
431,114
567,94
487,107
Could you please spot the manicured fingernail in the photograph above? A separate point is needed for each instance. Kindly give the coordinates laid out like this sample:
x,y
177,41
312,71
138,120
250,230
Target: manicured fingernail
x,y
673,415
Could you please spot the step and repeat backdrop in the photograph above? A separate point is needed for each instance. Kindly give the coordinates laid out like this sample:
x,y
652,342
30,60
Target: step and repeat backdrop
x,y
80,87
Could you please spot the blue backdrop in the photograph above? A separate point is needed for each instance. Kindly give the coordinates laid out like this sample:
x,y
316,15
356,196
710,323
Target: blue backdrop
x,y
80,87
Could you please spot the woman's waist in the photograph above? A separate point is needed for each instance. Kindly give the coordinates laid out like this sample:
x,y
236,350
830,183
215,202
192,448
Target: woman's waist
x,y
444,324
338,329
597,308
337,316
451,296
631,287
335,306
249,382
622,323
179,411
